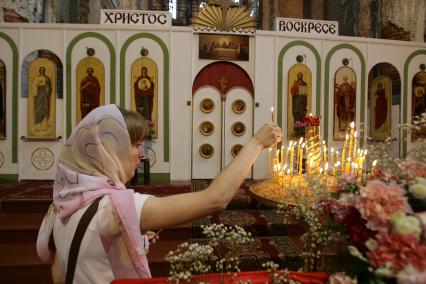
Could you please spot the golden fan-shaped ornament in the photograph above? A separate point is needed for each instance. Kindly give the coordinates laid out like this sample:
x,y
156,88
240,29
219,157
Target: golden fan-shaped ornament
x,y
224,17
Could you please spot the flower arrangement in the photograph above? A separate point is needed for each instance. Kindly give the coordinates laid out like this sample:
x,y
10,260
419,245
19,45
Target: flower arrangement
x,y
383,220
378,222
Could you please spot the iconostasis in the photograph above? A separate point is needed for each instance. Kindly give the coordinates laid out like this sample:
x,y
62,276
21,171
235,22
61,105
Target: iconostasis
x,y
204,93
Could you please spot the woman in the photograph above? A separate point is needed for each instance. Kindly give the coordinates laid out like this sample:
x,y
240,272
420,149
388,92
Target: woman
x,y
98,159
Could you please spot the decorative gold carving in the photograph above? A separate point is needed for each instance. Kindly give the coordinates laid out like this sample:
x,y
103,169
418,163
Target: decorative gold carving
x,y
206,151
206,128
238,128
224,15
236,149
207,105
239,106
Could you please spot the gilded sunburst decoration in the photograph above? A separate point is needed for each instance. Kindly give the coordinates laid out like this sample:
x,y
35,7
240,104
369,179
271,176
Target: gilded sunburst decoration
x,y
224,15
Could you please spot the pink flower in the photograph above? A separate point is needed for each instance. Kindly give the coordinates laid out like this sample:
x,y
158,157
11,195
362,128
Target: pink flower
x,y
299,124
346,182
413,168
410,275
398,250
378,201
341,207
341,278
382,175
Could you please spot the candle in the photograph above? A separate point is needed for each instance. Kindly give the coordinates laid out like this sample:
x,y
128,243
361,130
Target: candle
x,y
374,166
337,159
348,166
324,153
291,166
269,159
273,114
331,156
301,158
336,166
287,153
282,154
344,152
297,155
355,143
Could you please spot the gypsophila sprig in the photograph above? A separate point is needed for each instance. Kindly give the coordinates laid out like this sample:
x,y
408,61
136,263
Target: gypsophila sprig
x,y
188,260
191,259
319,232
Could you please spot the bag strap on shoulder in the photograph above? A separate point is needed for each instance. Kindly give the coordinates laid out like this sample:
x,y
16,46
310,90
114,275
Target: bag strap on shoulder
x,y
78,237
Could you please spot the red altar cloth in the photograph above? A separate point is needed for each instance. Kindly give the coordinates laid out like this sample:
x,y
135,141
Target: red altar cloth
x,y
255,277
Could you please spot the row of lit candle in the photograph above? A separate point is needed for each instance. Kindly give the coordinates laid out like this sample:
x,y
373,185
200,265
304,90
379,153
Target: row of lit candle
x,y
351,161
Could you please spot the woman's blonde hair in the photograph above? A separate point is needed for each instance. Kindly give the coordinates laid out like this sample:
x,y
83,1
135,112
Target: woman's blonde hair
x,y
136,124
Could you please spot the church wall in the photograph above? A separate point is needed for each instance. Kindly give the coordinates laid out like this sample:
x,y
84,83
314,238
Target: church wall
x,y
265,92
175,50
137,40
181,78
33,39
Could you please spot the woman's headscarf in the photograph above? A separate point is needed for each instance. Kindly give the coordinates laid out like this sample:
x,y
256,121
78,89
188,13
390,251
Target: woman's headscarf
x,y
96,161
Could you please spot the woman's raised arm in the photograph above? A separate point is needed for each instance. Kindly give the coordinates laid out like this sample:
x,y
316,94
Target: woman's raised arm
x,y
172,210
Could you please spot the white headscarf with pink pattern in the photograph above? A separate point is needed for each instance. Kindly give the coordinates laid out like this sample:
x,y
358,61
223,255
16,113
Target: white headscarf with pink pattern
x,y
96,161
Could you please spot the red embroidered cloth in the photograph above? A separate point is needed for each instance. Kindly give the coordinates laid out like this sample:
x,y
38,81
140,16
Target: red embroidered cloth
x,y
255,277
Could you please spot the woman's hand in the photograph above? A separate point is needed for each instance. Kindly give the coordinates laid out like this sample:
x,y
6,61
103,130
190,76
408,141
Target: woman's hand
x,y
268,135
153,237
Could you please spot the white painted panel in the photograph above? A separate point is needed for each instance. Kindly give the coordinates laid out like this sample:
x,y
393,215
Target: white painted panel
x,y
202,167
264,94
38,160
180,113
231,117
155,53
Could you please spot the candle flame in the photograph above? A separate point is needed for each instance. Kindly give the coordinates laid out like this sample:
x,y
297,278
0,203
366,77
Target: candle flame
x,y
352,124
